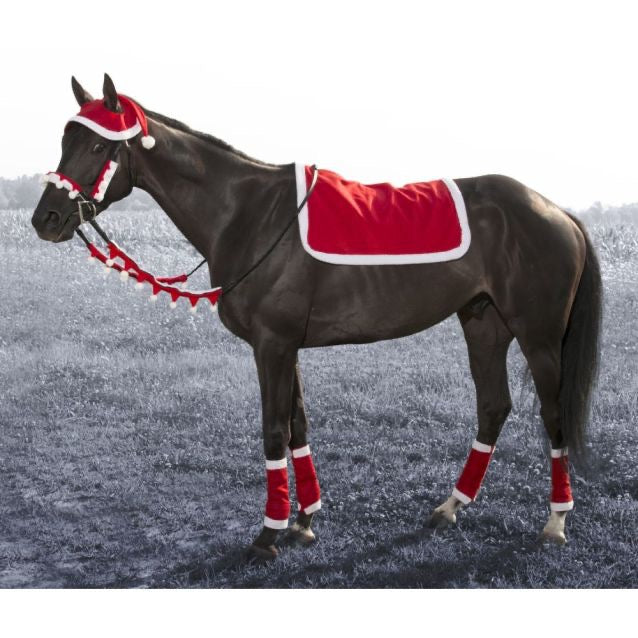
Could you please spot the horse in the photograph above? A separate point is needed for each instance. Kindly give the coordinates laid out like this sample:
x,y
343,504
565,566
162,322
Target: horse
x,y
530,274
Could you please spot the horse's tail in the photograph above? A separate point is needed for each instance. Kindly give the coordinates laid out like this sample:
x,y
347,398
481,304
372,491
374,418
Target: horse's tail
x,y
580,353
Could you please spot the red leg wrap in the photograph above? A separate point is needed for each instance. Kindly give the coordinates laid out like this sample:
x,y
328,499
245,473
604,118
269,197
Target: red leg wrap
x,y
277,504
469,482
308,493
562,499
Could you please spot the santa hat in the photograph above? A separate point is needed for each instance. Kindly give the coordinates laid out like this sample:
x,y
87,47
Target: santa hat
x,y
115,126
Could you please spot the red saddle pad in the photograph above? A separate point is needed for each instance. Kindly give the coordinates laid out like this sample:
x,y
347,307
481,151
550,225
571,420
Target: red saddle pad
x,y
345,222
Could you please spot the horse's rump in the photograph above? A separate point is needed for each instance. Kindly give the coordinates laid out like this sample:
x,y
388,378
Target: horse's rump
x,y
346,222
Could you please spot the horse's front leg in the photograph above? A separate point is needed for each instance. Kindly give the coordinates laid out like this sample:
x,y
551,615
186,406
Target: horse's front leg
x,y
276,370
306,483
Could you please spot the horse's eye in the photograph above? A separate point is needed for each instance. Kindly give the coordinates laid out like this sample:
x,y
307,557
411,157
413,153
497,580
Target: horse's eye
x,y
98,148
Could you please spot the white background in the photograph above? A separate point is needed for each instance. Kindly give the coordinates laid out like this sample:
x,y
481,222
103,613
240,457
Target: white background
x,y
395,91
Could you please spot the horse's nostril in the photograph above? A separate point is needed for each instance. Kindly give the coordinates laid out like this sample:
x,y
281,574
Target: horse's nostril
x,y
53,219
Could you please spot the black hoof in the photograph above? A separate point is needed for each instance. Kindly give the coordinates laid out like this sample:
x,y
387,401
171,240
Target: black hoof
x,y
259,554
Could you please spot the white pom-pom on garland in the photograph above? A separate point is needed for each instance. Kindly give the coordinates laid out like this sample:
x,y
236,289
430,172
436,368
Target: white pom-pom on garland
x,y
153,298
213,308
73,194
109,262
173,305
124,275
148,141
139,285
90,259
193,309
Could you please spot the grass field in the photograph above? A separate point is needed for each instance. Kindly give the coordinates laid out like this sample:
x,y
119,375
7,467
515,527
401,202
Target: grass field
x,y
131,455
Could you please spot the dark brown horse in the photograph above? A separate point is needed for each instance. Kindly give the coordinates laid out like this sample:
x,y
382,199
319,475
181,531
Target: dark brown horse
x,y
530,274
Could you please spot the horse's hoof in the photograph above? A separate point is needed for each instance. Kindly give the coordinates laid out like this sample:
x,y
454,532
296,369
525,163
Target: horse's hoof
x,y
301,535
441,520
553,538
262,554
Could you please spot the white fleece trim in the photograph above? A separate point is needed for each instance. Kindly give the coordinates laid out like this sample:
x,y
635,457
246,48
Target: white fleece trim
x,y
481,447
281,464
561,507
275,524
301,451
380,260
461,497
116,136
60,182
100,191
313,508
559,453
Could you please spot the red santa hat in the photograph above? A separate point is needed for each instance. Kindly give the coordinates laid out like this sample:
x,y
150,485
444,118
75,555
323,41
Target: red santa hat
x,y
115,126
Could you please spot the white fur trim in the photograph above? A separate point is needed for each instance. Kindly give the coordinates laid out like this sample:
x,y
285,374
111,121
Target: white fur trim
x,y
313,508
481,447
461,497
561,507
99,192
301,451
60,182
277,465
116,136
148,141
275,524
559,453
380,260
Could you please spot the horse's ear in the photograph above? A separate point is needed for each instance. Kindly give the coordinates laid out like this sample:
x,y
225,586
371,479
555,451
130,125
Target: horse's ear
x,y
111,100
81,95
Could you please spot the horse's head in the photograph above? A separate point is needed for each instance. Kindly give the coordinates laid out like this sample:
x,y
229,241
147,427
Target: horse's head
x,y
95,167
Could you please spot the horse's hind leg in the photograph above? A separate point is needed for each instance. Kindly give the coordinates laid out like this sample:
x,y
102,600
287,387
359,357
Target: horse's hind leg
x,y
488,340
543,355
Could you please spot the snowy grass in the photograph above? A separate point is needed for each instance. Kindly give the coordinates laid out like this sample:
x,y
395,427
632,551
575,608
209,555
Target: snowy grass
x,y
130,441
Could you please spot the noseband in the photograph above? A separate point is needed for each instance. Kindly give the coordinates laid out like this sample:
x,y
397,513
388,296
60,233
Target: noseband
x,y
87,203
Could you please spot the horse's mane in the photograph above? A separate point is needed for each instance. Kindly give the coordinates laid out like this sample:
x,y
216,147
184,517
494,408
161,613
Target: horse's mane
x,y
180,126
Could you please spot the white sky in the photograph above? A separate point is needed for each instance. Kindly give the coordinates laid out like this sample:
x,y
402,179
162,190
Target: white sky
x,y
379,91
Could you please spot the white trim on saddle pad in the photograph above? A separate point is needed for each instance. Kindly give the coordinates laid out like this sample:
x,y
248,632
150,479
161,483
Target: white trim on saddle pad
x,y
379,260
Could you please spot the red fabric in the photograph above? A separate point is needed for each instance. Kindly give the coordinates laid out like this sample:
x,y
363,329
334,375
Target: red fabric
x,y
473,473
277,503
561,488
306,482
349,218
131,113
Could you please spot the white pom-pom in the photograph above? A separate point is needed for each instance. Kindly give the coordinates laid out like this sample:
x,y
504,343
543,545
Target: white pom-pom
x,y
58,185
148,141
109,262
193,309
213,308
153,298
173,305
90,259
139,285
73,194
124,275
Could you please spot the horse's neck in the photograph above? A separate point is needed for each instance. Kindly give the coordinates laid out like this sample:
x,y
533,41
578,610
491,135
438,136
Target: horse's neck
x,y
217,198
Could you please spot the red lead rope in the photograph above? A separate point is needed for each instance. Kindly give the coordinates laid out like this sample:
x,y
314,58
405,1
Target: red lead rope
x,y
129,268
